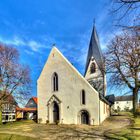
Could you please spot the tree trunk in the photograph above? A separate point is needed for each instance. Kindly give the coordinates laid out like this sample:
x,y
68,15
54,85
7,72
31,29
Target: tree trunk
x,y
0,115
135,100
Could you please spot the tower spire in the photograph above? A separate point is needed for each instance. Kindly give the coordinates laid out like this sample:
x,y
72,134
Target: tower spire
x,y
94,70
94,49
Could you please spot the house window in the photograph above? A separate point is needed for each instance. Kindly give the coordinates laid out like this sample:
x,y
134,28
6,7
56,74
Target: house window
x,y
55,82
83,97
92,68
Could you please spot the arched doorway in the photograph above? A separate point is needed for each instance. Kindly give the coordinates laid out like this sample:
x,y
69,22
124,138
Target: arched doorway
x,y
84,117
55,112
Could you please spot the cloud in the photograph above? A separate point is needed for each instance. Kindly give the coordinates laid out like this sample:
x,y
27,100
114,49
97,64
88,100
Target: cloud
x,y
35,46
29,52
105,39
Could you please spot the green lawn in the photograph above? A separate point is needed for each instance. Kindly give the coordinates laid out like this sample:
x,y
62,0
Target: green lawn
x,y
131,132
5,136
17,123
14,137
114,128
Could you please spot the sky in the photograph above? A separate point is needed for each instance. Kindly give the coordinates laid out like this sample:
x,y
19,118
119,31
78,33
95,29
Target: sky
x,y
33,26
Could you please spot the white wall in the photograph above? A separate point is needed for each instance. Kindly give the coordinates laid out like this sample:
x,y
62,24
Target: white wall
x,y
123,104
104,111
70,85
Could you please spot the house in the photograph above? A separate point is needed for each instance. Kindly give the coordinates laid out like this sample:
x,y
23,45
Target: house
x,y
30,110
67,97
8,108
123,103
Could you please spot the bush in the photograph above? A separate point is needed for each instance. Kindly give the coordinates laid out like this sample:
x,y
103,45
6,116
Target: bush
x,y
57,122
39,120
27,117
0,117
118,109
126,109
47,121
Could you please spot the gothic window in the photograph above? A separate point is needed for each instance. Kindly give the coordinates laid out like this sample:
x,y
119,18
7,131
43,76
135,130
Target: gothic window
x,y
55,82
83,97
92,68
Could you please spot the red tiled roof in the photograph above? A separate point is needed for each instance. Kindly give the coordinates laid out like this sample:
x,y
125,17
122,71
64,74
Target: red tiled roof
x,y
35,99
26,109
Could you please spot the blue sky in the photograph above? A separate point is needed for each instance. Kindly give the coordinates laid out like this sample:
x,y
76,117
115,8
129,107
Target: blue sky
x,y
32,26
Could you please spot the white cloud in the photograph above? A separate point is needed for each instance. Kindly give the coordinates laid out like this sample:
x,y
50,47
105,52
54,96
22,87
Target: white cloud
x,y
29,52
35,46
105,39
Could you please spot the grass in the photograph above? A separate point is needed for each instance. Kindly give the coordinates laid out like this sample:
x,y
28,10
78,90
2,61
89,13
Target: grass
x,y
9,125
14,137
131,132
17,123
115,127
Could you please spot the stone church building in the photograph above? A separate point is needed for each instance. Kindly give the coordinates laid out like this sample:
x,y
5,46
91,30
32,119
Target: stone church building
x,y
67,97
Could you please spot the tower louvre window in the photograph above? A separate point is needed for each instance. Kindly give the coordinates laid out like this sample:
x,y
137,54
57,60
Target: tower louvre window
x,y
55,81
92,68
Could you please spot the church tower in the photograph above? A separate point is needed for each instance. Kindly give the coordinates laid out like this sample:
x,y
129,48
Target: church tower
x,y
95,67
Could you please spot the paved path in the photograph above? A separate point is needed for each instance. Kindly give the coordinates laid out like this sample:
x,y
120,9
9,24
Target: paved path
x,y
68,132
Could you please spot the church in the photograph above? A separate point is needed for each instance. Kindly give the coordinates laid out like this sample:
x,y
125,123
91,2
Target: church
x,y
67,97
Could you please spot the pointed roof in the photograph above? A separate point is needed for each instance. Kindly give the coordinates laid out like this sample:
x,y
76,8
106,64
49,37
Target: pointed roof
x,y
67,61
94,50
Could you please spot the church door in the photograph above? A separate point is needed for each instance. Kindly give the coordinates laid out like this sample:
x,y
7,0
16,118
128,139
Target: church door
x,y
55,112
84,117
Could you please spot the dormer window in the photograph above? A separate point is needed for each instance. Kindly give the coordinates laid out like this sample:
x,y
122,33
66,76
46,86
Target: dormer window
x,y
93,68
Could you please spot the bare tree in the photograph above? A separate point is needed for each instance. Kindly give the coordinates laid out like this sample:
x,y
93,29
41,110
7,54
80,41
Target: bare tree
x,y
123,63
14,77
126,13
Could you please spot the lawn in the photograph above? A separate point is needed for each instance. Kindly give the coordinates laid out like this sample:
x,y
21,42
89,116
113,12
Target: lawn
x,y
11,126
14,137
122,127
131,132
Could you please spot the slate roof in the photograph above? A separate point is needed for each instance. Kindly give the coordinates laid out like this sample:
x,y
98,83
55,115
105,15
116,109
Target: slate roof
x,y
27,108
94,50
110,98
124,98
104,99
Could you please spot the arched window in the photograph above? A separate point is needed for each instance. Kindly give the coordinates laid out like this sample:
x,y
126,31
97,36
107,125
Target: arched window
x,y
55,82
83,97
92,68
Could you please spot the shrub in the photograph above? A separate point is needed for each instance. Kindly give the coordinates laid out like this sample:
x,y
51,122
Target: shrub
x,y
57,122
47,121
126,109
0,117
39,120
118,109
